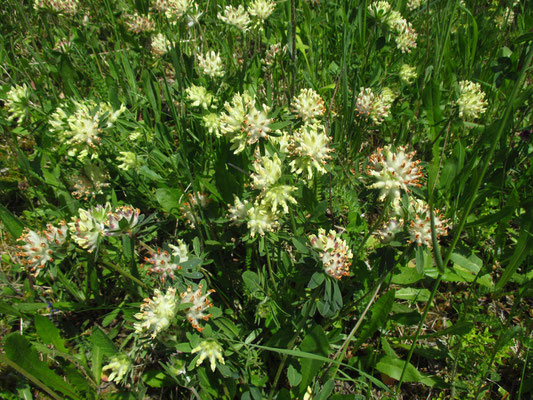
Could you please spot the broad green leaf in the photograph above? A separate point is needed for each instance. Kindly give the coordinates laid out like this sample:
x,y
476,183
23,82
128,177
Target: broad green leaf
x,y
393,367
157,379
314,342
49,333
251,281
20,351
325,391
412,294
316,280
406,276
11,223
472,263
293,376
380,313
168,199
100,339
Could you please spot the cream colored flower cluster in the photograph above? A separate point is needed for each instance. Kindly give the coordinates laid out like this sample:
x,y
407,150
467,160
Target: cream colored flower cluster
x,y
405,35
307,149
82,127
93,224
393,172
158,313
375,107
211,350
173,9
211,64
91,182
69,7
189,208
17,102
160,44
165,264
420,225
119,365
138,23
471,100
198,96
334,252
243,122
39,247
258,10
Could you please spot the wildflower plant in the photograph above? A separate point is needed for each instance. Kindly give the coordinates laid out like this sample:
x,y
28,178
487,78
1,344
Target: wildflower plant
x,y
257,197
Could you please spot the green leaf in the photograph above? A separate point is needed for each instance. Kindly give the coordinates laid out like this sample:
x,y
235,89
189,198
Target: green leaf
x,y
251,281
420,260
49,333
314,342
168,199
472,264
518,255
100,339
326,390
380,313
412,294
156,378
20,351
316,280
11,223
406,276
460,328
393,367
293,376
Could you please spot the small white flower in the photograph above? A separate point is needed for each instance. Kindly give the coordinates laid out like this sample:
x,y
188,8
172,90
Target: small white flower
x,y
138,23
261,9
309,147
236,16
199,304
157,314
162,263
334,252
379,10
181,250
37,248
199,96
261,220
128,160
267,171
89,227
279,195
387,232
212,123
471,100
309,105
211,350
211,64
420,227
393,171
237,212
123,214
119,366
407,74
160,44
17,102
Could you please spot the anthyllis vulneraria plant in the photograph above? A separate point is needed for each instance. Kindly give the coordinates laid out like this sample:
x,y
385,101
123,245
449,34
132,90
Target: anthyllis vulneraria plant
x,y
393,172
471,101
334,252
39,247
